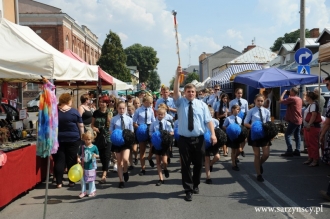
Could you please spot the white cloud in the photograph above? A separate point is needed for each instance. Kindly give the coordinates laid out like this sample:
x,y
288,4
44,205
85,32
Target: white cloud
x,y
123,37
234,34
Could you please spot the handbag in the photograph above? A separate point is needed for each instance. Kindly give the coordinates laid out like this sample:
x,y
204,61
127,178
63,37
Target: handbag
x,y
101,140
89,175
318,118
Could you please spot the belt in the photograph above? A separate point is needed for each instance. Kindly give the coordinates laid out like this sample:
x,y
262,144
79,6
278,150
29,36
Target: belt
x,y
191,138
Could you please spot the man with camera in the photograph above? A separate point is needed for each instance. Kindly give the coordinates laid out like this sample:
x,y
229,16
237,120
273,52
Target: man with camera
x,y
294,118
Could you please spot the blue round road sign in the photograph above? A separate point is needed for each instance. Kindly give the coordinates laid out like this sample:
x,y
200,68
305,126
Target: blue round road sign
x,y
303,56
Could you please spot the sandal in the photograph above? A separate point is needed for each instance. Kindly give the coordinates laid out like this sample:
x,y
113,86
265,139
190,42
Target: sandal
x,y
59,186
308,162
314,164
93,194
83,194
103,180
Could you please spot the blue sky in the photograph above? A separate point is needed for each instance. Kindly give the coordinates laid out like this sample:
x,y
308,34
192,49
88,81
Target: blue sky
x,y
207,25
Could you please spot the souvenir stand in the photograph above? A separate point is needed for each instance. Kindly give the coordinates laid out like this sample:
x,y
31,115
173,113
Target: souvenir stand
x,y
25,57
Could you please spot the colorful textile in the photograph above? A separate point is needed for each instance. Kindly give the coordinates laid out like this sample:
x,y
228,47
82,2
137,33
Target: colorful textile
x,y
47,142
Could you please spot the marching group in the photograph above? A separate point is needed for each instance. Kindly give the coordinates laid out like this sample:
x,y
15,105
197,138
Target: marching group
x,y
185,117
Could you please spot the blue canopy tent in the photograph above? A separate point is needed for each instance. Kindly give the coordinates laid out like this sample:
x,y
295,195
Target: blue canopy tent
x,y
274,77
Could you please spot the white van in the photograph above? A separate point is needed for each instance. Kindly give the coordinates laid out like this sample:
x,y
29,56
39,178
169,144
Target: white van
x,y
33,105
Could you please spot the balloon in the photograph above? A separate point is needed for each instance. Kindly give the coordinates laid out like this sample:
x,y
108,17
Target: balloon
x,y
207,139
75,173
257,131
117,137
156,140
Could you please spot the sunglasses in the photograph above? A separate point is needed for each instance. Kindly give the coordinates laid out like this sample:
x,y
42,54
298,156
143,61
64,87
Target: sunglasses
x,y
216,89
112,101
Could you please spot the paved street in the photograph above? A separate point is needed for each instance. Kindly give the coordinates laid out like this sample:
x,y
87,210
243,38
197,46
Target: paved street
x,y
288,183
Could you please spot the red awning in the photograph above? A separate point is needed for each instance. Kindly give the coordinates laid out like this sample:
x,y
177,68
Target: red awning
x,y
106,79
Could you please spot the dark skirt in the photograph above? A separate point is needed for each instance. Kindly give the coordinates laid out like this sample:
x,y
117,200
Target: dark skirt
x,y
161,152
231,144
258,143
118,149
212,150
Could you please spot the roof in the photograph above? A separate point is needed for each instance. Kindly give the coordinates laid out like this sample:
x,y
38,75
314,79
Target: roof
x,y
224,48
287,46
255,55
325,30
274,62
309,42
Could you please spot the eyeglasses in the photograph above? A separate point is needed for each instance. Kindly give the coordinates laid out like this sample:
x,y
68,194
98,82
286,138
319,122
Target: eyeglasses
x,y
216,89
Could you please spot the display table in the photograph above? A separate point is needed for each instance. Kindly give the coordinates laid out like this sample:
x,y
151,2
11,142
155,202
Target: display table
x,y
21,173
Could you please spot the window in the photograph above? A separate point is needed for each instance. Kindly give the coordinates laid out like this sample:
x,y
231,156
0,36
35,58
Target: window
x,y
67,42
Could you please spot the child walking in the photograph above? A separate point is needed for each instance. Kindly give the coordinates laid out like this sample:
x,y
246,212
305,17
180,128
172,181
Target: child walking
x,y
87,156
161,155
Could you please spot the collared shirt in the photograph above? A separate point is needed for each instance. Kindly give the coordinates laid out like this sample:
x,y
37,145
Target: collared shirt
x,y
215,123
115,122
213,98
294,108
168,117
217,106
139,115
244,106
169,103
155,126
253,115
231,119
202,116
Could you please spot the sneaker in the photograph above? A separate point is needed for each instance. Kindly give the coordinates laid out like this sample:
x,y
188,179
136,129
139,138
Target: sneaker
x,y
243,154
325,195
93,194
121,185
188,197
208,181
135,162
196,190
296,153
126,176
160,182
115,168
236,168
130,167
211,168
81,195
166,173
287,154
151,163
260,179
143,172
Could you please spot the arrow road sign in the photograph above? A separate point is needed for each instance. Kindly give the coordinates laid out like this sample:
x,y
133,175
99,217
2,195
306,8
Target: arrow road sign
x,y
303,56
304,69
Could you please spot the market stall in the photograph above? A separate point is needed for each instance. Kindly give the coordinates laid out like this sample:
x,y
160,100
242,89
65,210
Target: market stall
x,y
25,57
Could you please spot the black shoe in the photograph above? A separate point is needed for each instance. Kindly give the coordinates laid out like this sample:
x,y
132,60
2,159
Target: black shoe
x,y
143,172
160,182
130,167
260,179
243,154
151,163
196,190
296,153
304,151
121,185
261,169
208,181
126,176
171,154
236,161
188,197
287,154
167,174
211,168
236,168
135,162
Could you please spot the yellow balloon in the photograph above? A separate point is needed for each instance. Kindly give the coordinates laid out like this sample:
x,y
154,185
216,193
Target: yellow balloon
x,y
75,173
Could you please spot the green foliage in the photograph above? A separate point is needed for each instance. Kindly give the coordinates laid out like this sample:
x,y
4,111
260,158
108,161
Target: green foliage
x,y
144,58
190,77
154,81
288,38
113,58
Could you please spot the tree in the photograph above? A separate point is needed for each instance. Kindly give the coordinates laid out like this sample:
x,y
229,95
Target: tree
x,y
144,58
288,38
113,58
190,77
154,81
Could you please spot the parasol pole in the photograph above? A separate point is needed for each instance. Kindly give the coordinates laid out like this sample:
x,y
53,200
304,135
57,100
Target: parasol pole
x,y
174,13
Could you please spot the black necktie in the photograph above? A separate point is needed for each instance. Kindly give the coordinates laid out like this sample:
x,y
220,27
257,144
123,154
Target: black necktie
x,y
190,117
145,116
239,102
260,114
160,126
236,120
122,123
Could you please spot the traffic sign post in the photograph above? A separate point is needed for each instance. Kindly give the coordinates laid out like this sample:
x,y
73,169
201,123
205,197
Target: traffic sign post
x,y
304,69
303,56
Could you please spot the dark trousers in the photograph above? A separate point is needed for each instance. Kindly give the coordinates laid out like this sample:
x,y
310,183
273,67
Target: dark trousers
x,y
105,154
191,152
66,156
328,191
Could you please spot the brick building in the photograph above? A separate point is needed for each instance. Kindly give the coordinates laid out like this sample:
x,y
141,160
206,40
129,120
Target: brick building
x,y
59,29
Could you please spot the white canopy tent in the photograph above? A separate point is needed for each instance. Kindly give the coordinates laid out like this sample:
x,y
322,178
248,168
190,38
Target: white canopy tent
x,y
24,56
120,85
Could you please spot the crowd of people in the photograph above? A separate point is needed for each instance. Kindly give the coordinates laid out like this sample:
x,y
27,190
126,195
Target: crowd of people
x,y
180,119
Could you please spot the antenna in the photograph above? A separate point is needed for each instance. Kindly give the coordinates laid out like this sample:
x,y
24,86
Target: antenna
x,y
253,40
189,53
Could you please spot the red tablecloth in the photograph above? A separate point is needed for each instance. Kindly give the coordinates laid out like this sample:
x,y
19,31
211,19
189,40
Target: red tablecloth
x,y
22,172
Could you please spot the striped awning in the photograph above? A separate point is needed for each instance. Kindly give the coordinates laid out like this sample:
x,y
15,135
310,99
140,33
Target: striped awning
x,y
224,76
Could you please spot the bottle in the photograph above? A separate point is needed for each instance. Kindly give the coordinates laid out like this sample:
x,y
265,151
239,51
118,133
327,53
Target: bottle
x,y
24,134
94,163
